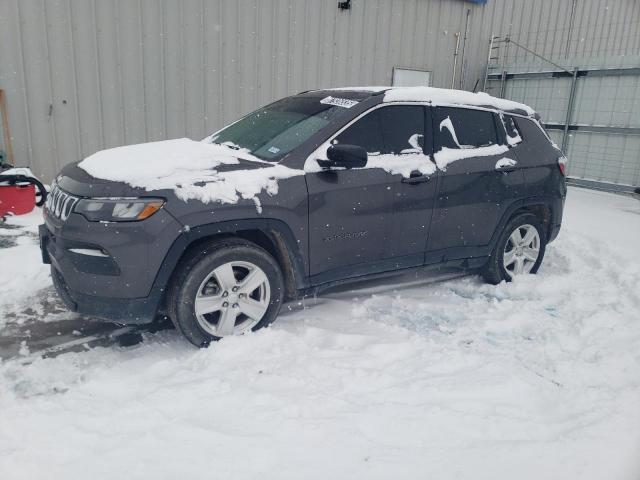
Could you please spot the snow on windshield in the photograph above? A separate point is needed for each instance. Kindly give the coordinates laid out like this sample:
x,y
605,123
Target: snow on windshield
x,y
189,169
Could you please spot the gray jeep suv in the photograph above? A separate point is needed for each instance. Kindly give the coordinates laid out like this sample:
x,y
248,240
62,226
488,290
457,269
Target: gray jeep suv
x,y
316,189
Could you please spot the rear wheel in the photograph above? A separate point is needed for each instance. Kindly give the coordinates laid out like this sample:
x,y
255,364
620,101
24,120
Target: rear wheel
x,y
519,250
225,288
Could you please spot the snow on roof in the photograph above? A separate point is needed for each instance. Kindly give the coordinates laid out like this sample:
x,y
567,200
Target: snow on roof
x,y
371,89
440,96
448,96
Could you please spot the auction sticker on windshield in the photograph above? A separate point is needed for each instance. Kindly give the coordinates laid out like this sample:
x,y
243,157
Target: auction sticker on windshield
x,y
339,102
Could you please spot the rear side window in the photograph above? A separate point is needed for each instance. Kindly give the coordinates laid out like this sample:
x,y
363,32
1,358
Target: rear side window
x,y
463,128
510,127
396,129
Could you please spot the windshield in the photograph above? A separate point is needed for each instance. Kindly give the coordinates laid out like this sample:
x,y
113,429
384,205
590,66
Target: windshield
x,y
273,131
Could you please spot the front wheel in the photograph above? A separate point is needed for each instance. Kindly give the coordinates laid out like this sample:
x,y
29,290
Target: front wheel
x,y
519,250
225,288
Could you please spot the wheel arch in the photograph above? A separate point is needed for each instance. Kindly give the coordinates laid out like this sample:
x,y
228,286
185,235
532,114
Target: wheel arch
x,y
541,211
274,236
541,207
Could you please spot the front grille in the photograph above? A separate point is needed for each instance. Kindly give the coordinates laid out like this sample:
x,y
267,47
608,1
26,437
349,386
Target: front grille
x,y
59,203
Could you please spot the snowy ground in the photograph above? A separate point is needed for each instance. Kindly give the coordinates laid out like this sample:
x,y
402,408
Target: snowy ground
x,y
455,379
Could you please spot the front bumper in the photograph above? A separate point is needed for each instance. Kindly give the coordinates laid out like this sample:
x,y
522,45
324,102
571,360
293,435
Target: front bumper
x,y
120,310
128,311
108,270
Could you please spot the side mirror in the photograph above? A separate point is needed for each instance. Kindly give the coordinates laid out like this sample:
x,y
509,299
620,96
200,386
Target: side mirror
x,y
344,156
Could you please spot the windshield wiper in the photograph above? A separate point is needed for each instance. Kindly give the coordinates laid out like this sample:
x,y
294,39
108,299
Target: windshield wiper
x,y
228,145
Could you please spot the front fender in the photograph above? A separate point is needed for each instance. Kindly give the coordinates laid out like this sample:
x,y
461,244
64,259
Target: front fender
x,y
275,229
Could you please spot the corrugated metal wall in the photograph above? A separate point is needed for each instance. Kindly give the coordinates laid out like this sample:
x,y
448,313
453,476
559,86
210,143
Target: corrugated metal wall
x,y
603,143
82,75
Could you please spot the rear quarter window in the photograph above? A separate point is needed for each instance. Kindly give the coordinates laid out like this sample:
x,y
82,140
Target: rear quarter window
x,y
511,129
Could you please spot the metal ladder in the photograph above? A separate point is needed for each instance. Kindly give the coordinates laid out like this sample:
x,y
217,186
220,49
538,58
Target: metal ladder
x,y
496,58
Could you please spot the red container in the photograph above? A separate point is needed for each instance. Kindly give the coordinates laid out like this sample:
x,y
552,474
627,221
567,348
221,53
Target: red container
x,y
17,199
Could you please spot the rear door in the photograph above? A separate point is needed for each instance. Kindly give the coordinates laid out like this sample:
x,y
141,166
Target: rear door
x,y
479,178
415,181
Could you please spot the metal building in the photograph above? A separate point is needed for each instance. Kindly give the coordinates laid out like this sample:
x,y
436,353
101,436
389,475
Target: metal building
x,y
83,75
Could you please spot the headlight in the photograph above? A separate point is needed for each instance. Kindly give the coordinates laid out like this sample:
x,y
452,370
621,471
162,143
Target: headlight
x,y
118,209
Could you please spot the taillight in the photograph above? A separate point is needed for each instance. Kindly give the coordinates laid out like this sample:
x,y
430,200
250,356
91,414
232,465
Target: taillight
x,y
562,165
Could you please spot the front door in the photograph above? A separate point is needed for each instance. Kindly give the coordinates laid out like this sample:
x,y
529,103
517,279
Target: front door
x,y
362,220
479,178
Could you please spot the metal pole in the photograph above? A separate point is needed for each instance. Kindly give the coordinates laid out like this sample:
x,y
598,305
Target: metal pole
x,y
455,60
508,41
573,14
503,83
567,122
6,133
464,47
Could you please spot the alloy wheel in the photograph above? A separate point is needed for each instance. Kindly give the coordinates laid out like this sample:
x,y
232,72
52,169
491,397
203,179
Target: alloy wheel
x,y
232,299
521,251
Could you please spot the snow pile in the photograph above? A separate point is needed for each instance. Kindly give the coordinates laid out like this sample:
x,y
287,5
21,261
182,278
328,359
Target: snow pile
x,y
506,162
400,164
445,96
446,156
22,273
535,379
189,168
516,139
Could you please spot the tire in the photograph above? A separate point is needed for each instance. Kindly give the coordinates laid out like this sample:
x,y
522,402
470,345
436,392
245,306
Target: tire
x,y
205,281
506,252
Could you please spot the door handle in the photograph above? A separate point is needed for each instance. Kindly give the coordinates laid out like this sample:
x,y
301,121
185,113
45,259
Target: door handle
x,y
416,179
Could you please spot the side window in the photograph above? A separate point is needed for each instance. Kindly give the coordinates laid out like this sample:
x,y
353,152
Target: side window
x,y
366,133
463,128
513,134
396,129
402,128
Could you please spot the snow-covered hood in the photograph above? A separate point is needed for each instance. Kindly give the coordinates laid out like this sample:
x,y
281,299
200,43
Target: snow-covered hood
x,y
192,170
